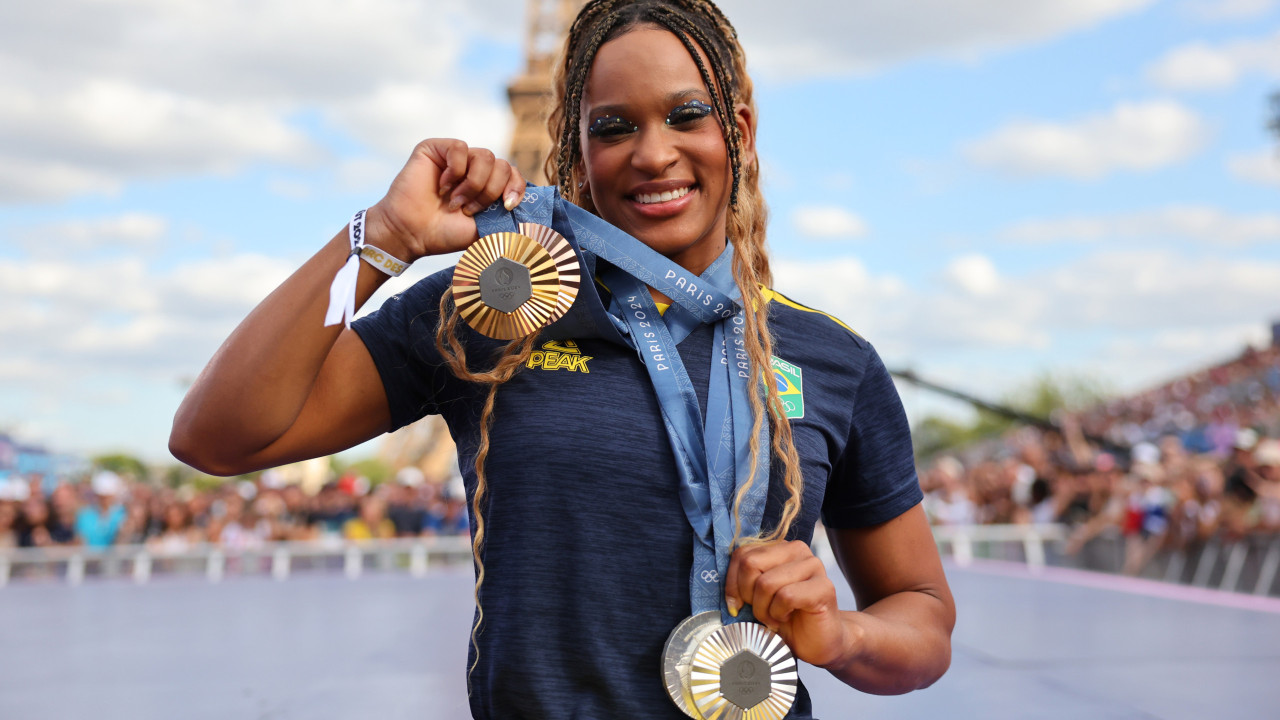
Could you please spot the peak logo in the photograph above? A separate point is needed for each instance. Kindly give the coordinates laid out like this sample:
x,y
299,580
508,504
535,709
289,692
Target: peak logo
x,y
559,355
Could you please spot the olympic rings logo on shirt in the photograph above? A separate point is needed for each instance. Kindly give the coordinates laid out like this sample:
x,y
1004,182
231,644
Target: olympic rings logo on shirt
x,y
710,576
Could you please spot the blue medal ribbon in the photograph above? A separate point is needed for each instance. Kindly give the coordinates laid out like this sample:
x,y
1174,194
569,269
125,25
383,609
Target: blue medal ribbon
x,y
713,458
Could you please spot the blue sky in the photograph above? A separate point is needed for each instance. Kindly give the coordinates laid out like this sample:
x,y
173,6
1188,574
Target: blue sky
x,y
987,190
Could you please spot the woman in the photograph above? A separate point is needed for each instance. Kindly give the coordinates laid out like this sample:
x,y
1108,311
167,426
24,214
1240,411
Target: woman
x,y
583,551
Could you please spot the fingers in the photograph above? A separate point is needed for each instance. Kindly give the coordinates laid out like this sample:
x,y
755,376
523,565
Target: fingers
x,y
777,579
466,193
514,191
451,155
472,178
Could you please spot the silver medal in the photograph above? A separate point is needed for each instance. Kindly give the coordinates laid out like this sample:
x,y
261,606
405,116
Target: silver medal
x,y
742,671
677,657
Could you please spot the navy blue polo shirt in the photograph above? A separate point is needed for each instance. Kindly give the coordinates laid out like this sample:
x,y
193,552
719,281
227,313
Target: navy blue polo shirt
x,y
587,550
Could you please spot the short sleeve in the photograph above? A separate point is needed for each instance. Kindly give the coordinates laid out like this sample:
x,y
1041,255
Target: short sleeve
x,y
400,337
875,480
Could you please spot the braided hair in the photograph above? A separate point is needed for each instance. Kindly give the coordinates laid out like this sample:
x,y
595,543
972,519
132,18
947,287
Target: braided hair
x,y
704,31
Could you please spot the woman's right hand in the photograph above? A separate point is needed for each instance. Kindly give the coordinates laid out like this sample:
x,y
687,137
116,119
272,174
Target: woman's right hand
x,y
430,207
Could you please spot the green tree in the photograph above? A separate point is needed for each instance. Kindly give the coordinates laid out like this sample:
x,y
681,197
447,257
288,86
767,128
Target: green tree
x,y
1042,398
374,469
122,464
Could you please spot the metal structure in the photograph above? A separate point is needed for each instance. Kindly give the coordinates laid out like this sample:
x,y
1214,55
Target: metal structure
x,y
530,93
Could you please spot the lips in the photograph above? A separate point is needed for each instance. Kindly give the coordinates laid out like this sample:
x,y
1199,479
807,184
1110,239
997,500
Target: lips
x,y
661,197
660,201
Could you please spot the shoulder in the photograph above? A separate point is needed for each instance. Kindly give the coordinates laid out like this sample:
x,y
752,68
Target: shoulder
x,y
805,332
407,315
788,313
426,291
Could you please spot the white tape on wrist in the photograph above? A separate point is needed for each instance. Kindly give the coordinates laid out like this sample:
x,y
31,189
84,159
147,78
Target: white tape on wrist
x,y
342,293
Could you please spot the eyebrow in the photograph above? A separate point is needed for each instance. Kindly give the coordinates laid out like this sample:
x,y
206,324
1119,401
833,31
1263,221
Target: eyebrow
x,y
673,99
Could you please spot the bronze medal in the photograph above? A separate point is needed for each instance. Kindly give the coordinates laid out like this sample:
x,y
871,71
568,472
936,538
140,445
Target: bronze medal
x,y
509,285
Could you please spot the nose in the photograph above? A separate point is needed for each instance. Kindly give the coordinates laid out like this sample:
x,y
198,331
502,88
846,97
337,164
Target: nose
x,y
655,150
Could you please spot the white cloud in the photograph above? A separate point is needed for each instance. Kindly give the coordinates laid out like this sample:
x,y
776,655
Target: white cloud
x,y
1207,225
129,314
94,135
396,117
828,222
1262,167
1226,10
95,93
1201,66
40,179
1109,295
87,315
135,231
973,274
816,37
1132,136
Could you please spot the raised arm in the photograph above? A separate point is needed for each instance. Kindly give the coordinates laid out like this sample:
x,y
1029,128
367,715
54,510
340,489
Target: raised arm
x,y
283,387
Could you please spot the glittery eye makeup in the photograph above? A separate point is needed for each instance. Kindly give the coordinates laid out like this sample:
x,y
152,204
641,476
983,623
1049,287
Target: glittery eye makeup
x,y
610,126
687,112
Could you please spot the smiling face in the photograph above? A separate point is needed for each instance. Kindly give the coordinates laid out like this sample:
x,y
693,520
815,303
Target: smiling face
x,y
654,153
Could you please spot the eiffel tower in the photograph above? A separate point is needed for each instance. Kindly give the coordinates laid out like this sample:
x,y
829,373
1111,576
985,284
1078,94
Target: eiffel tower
x,y
530,94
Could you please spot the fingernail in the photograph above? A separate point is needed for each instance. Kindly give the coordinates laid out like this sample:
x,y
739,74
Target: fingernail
x,y
511,200
455,203
734,604
472,208
444,189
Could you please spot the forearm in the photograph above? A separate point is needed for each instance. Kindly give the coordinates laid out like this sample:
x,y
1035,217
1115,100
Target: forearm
x,y
257,382
284,386
899,644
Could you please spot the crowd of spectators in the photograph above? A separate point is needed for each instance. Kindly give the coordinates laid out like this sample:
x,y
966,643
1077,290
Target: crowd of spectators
x,y
108,509
1167,469
1193,459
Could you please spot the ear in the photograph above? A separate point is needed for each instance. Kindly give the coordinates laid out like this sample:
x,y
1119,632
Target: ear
x,y
580,170
746,121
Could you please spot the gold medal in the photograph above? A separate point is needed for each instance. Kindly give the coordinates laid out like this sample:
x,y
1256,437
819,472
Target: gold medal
x,y
509,285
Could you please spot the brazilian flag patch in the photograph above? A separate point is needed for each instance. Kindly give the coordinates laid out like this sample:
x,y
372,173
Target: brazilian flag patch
x,y
790,387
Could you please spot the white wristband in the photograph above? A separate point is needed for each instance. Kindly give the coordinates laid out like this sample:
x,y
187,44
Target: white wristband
x,y
342,292
383,260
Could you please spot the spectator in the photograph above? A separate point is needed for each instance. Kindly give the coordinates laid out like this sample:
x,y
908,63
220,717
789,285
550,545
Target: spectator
x,y
372,522
8,524
178,534
99,523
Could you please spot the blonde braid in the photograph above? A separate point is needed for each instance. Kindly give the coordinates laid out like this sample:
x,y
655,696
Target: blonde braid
x,y
514,356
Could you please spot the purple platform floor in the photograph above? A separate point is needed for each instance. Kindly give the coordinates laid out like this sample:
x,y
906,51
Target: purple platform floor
x,y
1060,646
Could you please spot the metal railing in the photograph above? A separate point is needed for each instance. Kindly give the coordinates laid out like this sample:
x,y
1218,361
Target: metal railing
x,y
1248,565
1024,543
278,559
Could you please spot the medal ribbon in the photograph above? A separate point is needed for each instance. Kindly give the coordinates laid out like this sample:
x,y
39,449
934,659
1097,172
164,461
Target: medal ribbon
x,y
711,458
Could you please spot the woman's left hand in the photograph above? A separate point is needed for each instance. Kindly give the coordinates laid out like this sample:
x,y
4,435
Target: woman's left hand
x,y
789,592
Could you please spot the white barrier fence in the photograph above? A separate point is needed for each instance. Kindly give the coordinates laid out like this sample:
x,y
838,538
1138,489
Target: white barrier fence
x,y
1247,565
1244,565
962,540
280,560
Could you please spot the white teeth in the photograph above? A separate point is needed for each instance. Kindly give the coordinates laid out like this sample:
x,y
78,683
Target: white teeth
x,y
649,199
